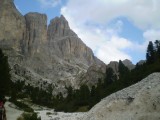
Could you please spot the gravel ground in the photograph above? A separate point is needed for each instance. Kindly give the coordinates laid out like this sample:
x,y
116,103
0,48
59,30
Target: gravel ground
x,y
137,102
11,112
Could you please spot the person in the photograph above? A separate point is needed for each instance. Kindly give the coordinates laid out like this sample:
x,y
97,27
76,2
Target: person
x,y
1,110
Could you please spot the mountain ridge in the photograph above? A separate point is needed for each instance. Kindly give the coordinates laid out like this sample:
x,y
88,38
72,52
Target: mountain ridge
x,y
45,53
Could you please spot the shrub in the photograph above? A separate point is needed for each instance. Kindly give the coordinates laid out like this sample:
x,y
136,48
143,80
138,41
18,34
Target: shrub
x,y
29,116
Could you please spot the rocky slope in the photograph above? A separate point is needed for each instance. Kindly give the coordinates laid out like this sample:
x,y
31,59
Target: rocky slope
x,y
41,54
137,102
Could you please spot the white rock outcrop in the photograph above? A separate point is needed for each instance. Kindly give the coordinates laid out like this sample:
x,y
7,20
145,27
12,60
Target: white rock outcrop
x,y
137,102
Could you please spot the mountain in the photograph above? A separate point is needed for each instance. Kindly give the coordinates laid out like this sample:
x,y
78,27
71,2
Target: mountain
x,y
42,54
128,64
114,65
141,62
137,102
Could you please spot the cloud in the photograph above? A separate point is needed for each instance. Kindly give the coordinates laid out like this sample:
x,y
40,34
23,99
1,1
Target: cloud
x,y
152,35
148,35
90,19
113,50
49,3
143,13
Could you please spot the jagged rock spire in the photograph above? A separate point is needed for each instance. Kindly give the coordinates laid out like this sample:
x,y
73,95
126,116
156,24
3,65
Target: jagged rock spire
x,y
59,27
36,32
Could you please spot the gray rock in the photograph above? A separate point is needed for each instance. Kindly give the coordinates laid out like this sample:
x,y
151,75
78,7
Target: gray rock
x,y
12,26
65,43
57,118
114,66
141,62
94,74
128,64
59,28
36,32
136,102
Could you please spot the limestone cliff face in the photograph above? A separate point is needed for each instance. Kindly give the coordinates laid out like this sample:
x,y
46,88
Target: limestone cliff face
x,y
12,25
36,32
66,44
59,28
54,54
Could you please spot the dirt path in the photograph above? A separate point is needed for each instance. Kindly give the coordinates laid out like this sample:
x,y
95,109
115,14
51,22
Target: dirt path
x,y
51,115
11,112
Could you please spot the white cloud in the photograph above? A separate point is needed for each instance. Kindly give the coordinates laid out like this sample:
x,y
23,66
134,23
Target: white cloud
x,y
144,13
152,35
89,20
148,35
49,3
113,50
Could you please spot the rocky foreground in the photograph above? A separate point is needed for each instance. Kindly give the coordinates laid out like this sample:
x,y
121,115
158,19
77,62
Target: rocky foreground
x,y
137,102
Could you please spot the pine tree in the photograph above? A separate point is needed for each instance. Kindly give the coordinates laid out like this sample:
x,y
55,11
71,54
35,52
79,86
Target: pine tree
x,y
93,91
84,94
150,53
157,45
110,76
122,69
5,78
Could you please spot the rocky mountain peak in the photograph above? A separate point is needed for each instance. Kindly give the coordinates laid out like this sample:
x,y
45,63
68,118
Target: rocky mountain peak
x,y
114,66
36,15
59,28
62,17
128,64
36,32
60,21
141,62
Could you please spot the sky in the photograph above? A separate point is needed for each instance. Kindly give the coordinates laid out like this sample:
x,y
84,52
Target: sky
x,y
114,29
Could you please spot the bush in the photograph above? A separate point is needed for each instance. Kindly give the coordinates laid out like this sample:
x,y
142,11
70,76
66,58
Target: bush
x,y
29,116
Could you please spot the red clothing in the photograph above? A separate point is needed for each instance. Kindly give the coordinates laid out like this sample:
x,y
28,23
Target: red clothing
x,y
1,105
2,111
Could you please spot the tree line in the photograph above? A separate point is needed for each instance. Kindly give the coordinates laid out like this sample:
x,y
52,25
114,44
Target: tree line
x,y
84,98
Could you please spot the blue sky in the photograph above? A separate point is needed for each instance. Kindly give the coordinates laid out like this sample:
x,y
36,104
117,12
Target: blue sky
x,y
113,29
52,11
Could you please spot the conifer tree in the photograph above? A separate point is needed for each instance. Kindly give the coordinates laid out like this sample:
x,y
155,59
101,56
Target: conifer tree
x,y
157,45
122,68
110,76
4,75
150,53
